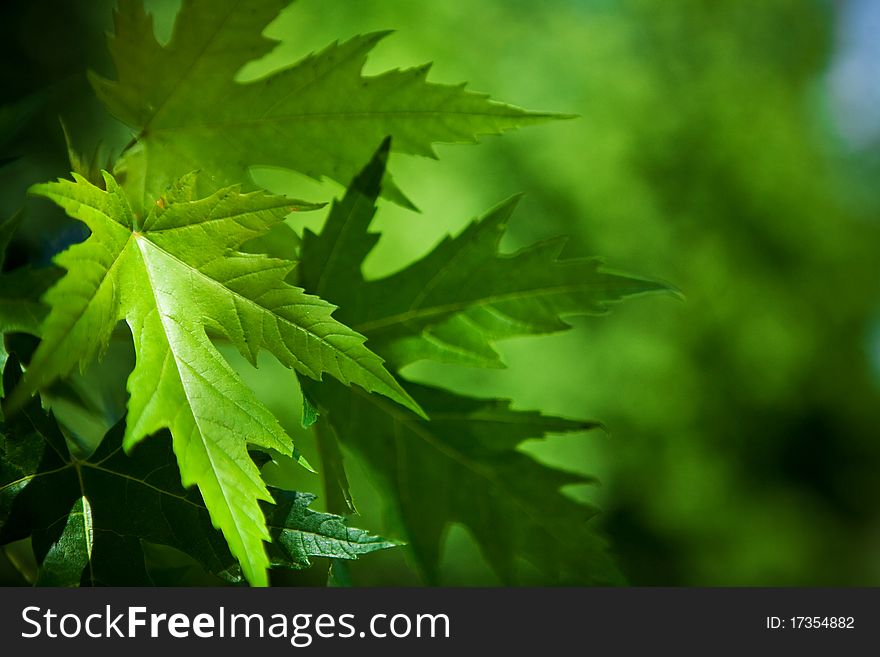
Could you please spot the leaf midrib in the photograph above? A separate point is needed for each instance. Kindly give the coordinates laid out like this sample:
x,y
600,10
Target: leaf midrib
x,y
74,463
214,469
304,532
280,318
189,70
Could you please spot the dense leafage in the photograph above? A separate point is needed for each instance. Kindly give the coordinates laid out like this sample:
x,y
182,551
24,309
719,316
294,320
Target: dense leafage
x,y
321,116
88,517
184,259
453,303
462,465
171,275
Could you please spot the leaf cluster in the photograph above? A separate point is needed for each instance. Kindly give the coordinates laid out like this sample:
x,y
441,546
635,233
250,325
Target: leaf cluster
x,y
184,252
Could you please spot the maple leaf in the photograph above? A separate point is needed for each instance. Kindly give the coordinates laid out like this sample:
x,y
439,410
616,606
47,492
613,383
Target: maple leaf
x,y
462,296
172,275
462,465
88,517
320,117
299,533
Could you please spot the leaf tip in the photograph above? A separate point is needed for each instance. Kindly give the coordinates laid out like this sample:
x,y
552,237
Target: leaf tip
x,y
415,407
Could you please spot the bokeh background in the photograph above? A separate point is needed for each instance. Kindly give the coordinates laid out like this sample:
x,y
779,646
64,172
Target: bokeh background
x,y
729,147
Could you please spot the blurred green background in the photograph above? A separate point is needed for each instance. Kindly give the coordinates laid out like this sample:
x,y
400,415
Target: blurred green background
x,y
729,147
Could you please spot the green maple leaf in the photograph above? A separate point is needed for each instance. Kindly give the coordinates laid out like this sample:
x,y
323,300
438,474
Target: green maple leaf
x,y
462,465
172,275
299,533
320,117
453,303
88,517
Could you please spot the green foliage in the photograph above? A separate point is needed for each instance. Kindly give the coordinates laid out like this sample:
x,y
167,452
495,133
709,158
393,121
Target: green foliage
x,y
752,457
451,304
89,516
188,260
462,465
299,533
190,113
171,275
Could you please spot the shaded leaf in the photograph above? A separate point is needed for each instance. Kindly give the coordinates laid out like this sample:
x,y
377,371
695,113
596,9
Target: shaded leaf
x,y
71,553
88,517
463,466
309,413
321,117
298,533
453,303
